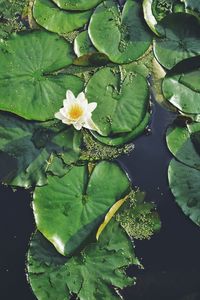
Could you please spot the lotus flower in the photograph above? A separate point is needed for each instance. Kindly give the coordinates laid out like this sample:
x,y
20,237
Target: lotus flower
x,y
77,111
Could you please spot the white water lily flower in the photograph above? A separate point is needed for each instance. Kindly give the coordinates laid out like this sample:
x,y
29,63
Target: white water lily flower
x,y
77,111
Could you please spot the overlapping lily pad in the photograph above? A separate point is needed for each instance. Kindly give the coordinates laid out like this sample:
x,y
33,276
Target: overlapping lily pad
x,y
30,85
180,143
184,174
180,39
122,100
49,16
122,36
183,91
68,209
86,52
32,148
124,138
77,4
92,274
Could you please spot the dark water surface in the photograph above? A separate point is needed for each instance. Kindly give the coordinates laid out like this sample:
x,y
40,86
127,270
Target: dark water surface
x,y
171,258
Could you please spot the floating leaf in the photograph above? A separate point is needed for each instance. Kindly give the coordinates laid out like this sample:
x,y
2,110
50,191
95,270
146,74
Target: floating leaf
x,y
192,6
183,91
31,148
68,209
184,184
86,53
181,39
122,100
180,144
125,138
114,32
49,16
30,86
90,275
77,4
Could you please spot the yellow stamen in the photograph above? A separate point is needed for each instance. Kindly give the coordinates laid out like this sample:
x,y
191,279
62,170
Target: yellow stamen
x,y
75,112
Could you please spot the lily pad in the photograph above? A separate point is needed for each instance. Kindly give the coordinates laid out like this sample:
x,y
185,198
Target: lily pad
x,y
49,16
86,52
122,100
125,138
32,148
180,144
77,4
30,84
92,274
192,5
122,36
183,91
180,39
184,184
156,10
68,209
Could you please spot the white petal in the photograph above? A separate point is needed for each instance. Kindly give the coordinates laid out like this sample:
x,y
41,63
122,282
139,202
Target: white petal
x,y
70,96
89,124
78,125
92,106
81,99
63,111
58,115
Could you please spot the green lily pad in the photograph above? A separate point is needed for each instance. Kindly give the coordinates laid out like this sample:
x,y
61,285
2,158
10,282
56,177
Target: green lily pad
x,y
30,85
184,184
68,209
183,91
77,4
122,100
92,274
86,53
125,138
49,16
122,36
180,144
31,148
180,39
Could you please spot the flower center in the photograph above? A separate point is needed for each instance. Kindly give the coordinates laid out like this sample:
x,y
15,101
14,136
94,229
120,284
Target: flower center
x,y
75,112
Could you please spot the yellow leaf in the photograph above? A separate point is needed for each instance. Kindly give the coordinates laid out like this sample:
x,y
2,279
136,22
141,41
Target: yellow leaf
x,y
110,214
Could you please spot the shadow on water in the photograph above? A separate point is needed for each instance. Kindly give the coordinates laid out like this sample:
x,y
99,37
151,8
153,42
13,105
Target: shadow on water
x,y
171,258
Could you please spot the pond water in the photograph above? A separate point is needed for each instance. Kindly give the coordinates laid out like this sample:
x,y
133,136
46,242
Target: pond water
x,y
171,257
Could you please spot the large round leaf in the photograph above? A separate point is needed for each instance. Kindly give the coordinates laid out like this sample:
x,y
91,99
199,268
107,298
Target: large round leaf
x,y
122,100
89,275
181,39
184,183
124,138
31,149
30,87
192,5
68,209
49,16
181,145
77,4
122,36
183,91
